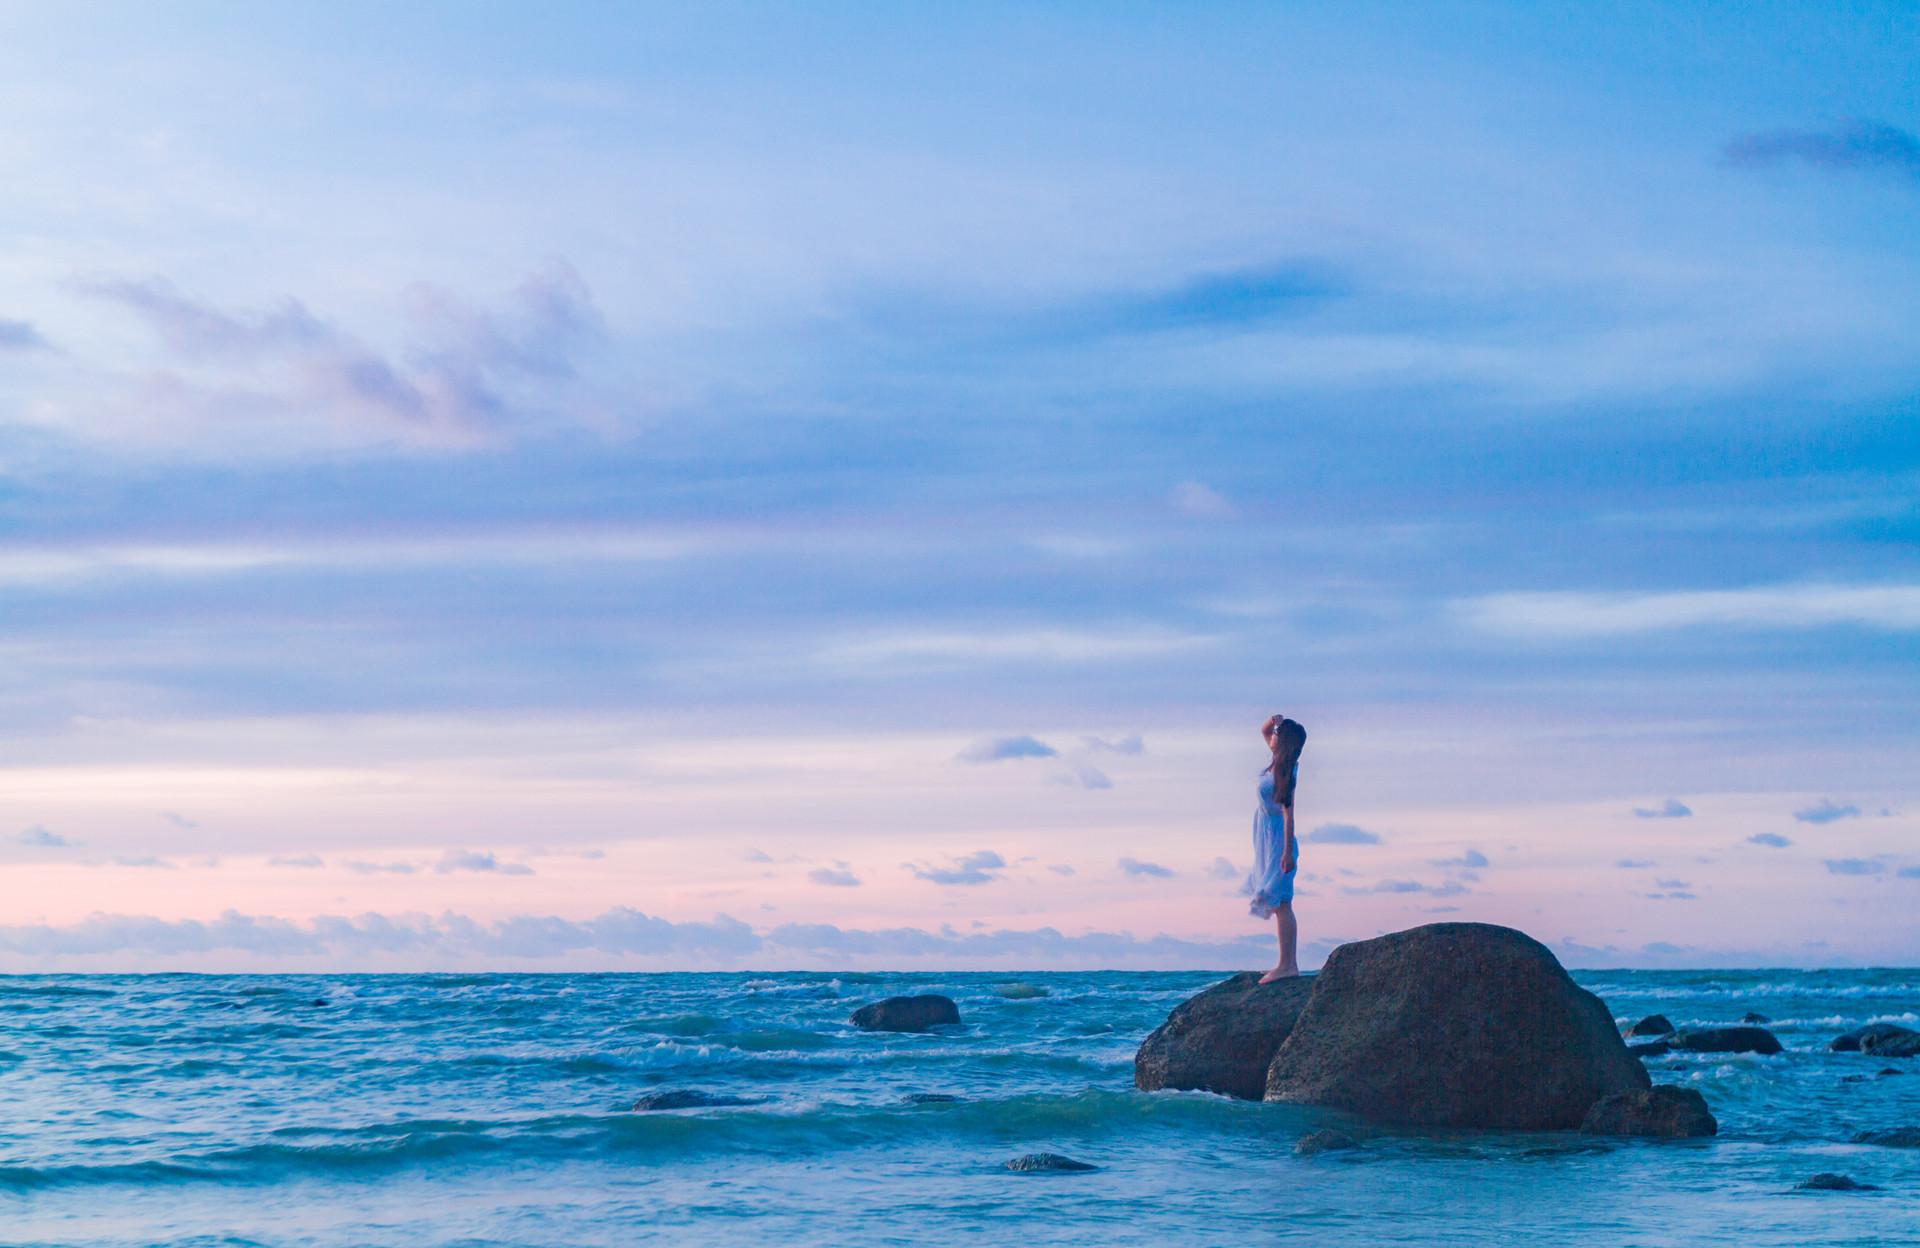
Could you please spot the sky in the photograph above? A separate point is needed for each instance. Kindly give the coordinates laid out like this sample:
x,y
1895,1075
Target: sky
x,y
601,486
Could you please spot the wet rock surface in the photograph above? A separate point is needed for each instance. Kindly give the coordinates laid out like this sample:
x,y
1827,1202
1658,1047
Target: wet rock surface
x,y
1224,1039
917,1013
1456,1025
1664,1112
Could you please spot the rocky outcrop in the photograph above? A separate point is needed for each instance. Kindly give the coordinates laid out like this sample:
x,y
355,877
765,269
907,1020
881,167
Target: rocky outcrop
x,y
1834,1183
686,1098
1652,1048
1325,1140
1665,1112
1892,1137
1902,1043
1456,1025
921,1013
1853,1041
1752,1017
1726,1040
1040,1163
1224,1039
1651,1025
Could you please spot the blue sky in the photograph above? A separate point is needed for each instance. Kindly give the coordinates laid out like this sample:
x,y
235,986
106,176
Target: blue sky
x,y
669,455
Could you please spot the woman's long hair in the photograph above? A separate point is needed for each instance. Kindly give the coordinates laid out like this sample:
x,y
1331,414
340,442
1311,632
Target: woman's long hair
x,y
1289,738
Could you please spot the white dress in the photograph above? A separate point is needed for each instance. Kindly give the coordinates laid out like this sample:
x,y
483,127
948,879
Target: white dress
x,y
1269,885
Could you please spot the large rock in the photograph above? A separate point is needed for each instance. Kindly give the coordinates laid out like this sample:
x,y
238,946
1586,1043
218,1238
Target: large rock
x,y
920,1013
1224,1039
1726,1040
1665,1112
1852,1041
1651,1025
1898,1043
1457,1025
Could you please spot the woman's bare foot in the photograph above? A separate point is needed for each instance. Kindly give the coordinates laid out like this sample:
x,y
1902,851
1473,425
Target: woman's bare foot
x,y
1280,972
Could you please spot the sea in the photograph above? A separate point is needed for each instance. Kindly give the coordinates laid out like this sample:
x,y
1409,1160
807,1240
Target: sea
x,y
497,1110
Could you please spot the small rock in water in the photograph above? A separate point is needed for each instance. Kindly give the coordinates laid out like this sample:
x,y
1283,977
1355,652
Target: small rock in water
x,y
1036,1163
1020,992
1727,1040
1652,1025
920,1013
1325,1140
1651,1048
1891,1071
1751,1017
1853,1041
1662,1112
931,1098
685,1098
1893,1137
1833,1183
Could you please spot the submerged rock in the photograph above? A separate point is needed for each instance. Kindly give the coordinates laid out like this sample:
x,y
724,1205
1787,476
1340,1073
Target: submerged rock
x,y
1892,1137
1224,1039
1726,1040
1663,1112
1904,1043
1457,1025
1852,1041
1652,1048
918,1013
1652,1025
1325,1140
1833,1183
686,1098
1020,992
1751,1017
1036,1163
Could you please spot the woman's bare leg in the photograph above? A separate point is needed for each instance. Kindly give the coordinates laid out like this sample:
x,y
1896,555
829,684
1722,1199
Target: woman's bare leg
x,y
1287,930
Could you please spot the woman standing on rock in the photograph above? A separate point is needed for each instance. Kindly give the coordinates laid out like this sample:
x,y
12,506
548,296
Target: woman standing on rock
x,y
1276,853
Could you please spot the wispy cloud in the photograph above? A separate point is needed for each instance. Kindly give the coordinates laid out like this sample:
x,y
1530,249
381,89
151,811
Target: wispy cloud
x,y
1448,888
1471,860
1634,864
834,877
307,862
1581,615
1119,745
1772,840
998,749
1854,866
143,860
1826,810
1203,501
980,867
43,837
1672,808
20,336
1342,834
471,860
1221,869
380,868
1852,145
1086,777
755,855
179,820
1134,867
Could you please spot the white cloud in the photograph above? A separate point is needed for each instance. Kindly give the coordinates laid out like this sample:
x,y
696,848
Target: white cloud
x,y
1196,499
1342,834
834,877
980,867
998,749
1672,808
1134,867
469,860
1826,810
309,862
1577,615
45,838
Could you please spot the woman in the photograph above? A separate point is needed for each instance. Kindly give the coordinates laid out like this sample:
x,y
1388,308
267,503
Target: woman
x,y
1276,852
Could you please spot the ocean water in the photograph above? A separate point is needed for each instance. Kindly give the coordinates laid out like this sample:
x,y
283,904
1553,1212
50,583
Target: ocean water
x,y
493,1109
